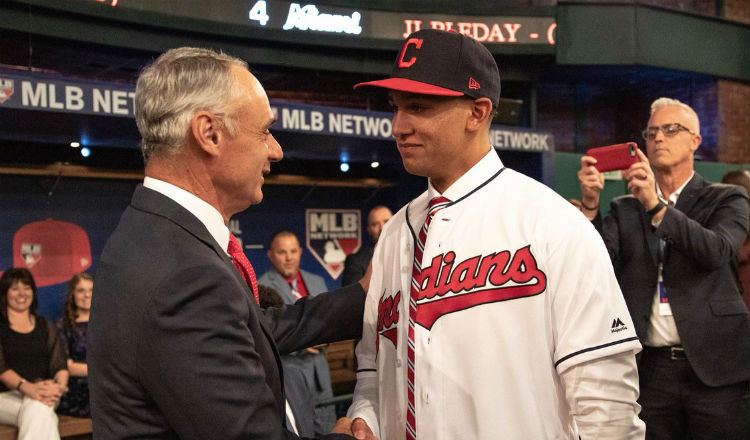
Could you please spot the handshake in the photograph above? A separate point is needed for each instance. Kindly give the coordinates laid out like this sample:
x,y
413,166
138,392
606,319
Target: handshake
x,y
357,428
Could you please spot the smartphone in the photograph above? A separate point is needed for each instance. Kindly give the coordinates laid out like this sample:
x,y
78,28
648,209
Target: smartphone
x,y
614,157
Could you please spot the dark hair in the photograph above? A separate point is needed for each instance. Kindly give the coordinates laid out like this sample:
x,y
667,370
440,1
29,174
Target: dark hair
x,y
11,276
738,177
269,297
69,318
281,232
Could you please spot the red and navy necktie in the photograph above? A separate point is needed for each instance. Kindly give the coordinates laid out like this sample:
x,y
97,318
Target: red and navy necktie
x,y
242,264
435,205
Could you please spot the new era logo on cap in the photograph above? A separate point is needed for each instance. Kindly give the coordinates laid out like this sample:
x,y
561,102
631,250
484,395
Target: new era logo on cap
x,y
433,62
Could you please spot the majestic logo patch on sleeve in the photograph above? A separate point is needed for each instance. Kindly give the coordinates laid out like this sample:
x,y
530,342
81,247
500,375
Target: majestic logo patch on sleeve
x,y
448,287
388,319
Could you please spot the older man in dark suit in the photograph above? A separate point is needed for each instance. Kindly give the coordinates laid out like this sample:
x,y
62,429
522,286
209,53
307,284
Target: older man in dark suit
x,y
178,347
672,242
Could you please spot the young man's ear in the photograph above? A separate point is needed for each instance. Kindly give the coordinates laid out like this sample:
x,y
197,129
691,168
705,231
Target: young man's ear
x,y
206,130
481,111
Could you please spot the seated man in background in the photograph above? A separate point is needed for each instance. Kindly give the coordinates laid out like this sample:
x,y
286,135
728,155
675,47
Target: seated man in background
x,y
355,264
673,242
293,283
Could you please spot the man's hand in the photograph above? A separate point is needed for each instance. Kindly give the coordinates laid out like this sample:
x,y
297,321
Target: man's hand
x,y
361,431
591,182
641,182
343,426
358,428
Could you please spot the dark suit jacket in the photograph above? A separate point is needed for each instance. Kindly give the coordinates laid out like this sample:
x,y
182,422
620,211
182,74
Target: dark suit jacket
x,y
702,233
355,265
178,348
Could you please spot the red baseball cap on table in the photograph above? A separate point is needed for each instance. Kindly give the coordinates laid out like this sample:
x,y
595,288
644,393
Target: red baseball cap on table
x,y
52,250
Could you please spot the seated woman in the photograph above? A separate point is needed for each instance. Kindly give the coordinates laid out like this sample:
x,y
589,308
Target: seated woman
x,y
73,328
32,360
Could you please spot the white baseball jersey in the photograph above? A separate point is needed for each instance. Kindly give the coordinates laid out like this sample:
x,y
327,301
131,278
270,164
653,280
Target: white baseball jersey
x,y
519,287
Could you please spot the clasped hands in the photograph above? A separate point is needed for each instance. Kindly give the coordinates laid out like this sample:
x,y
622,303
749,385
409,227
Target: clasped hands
x,y
357,428
46,391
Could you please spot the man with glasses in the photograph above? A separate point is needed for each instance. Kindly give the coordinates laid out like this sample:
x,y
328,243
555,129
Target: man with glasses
x,y
672,243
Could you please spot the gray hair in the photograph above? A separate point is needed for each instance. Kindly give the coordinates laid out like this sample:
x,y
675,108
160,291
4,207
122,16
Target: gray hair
x,y
669,102
178,84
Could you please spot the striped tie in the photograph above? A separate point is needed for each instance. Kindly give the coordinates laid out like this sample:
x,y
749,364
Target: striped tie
x,y
434,206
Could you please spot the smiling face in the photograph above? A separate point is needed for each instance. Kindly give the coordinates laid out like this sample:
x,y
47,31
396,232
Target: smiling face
x,y
82,294
20,297
673,152
246,156
431,136
285,254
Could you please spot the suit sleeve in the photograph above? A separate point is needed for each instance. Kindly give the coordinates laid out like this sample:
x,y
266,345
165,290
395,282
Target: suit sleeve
x,y
200,362
712,242
320,319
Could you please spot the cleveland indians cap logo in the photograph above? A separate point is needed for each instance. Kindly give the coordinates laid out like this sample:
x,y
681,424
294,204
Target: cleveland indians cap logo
x,y
417,43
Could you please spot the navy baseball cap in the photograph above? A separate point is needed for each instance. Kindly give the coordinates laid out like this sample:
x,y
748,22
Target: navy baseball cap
x,y
433,62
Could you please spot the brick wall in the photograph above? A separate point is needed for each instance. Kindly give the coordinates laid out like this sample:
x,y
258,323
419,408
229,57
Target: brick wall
x,y
738,10
734,121
602,112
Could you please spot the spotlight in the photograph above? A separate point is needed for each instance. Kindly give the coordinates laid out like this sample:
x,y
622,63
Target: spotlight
x,y
344,167
374,164
85,152
75,144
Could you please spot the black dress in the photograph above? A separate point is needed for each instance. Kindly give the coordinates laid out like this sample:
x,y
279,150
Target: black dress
x,y
76,401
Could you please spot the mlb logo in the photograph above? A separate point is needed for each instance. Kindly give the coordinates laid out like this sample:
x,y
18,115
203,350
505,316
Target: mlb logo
x,y
6,89
31,253
331,235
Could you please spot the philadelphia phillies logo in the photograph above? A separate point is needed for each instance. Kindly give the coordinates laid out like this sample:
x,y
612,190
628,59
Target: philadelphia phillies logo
x,y
448,287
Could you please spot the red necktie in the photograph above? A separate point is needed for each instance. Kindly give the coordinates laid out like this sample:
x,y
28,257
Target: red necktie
x,y
242,264
434,206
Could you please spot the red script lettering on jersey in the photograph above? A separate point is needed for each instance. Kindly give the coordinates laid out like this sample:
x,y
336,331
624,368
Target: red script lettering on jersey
x,y
475,281
388,318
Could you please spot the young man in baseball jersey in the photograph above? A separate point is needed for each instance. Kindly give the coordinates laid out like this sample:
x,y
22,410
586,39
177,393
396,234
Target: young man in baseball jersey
x,y
493,310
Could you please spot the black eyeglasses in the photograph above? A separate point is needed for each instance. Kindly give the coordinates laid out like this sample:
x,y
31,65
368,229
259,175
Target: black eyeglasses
x,y
669,130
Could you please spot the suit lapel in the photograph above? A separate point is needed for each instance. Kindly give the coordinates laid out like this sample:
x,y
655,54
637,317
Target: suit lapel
x,y
689,194
148,200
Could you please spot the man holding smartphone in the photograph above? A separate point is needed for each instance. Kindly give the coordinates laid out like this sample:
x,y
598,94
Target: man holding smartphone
x,y
672,243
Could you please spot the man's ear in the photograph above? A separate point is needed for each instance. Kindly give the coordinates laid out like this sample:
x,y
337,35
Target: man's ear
x,y
697,141
206,130
480,112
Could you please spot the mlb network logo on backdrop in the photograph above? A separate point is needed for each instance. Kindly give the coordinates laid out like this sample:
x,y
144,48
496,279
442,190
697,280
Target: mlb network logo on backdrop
x,y
331,235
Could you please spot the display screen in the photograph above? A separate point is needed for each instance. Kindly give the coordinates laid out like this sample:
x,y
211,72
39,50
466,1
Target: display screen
x,y
349,23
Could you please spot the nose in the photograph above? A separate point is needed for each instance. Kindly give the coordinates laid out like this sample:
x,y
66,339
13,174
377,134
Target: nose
x,y
275,153
400,125
659,136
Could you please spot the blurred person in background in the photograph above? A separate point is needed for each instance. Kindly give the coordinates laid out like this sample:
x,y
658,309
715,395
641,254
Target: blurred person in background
x,y
73,327
355,264
33,376
292,284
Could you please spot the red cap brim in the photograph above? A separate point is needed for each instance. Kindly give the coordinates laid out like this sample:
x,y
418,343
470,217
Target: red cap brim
x,y
411,86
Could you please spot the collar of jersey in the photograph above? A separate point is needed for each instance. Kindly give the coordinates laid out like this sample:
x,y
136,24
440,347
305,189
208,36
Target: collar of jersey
x,y
488,166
